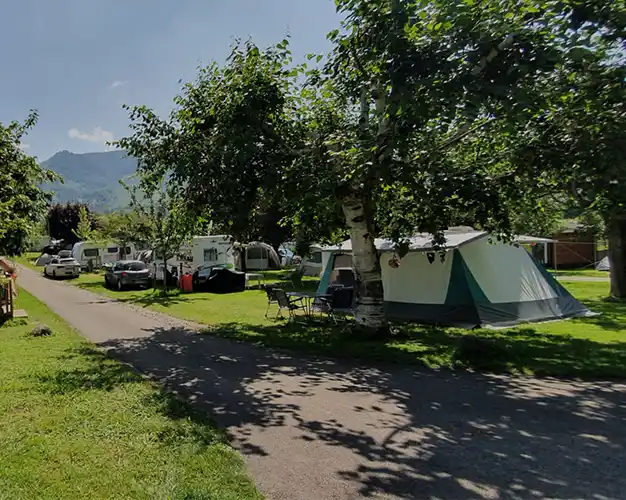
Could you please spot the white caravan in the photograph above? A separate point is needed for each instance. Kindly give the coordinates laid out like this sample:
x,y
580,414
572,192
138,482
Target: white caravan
x,y
214,251
313,265
94,255
204,251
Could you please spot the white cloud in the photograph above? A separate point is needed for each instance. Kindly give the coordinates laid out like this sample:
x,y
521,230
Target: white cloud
x,y
117,83
98,135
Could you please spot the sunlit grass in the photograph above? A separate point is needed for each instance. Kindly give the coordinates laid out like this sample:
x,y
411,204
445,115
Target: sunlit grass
x,y
76,424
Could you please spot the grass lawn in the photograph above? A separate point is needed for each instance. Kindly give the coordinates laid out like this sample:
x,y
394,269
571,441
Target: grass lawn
x,y
76,424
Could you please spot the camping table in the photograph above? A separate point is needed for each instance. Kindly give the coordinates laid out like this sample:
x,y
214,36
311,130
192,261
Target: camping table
x,y
308,299
258,277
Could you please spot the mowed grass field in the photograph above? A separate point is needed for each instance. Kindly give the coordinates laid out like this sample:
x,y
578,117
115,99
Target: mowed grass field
x,y
586,347
76,424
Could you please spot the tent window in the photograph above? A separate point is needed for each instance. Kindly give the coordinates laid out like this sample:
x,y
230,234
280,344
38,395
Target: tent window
x,y
210,254
127,251
316,257
91,252
257,253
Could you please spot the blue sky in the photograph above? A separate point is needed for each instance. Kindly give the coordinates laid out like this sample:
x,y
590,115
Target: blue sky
x,y
78,61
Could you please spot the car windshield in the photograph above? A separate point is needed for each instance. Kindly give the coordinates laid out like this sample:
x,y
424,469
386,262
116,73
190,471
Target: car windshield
x,y
133,266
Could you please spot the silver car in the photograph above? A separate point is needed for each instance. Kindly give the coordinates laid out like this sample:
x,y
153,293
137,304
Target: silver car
x,y
128,273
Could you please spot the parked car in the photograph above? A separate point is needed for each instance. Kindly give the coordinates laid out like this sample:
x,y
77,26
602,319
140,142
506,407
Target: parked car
x,y
59,267
128,273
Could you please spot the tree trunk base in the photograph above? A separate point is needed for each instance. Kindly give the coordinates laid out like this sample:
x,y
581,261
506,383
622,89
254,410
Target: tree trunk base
x,y
363,332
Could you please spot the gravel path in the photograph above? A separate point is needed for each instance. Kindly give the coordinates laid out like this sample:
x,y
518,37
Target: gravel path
x,y
321,430
594,279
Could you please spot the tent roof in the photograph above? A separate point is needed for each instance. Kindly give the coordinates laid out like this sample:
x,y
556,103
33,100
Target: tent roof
x,y
532,239
455,237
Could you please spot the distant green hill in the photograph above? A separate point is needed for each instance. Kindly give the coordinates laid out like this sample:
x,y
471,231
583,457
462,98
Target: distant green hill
x,y
92,178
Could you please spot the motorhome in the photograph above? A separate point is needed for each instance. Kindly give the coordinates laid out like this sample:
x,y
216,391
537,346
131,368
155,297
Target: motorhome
x,y
93,255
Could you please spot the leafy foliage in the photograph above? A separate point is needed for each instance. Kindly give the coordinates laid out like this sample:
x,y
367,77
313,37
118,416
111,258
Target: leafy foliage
x,y
63,221
22,201
225,143
406,127
165,224
125,227
85,228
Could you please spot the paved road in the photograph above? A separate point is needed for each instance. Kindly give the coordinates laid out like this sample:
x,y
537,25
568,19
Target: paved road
x,y
320,430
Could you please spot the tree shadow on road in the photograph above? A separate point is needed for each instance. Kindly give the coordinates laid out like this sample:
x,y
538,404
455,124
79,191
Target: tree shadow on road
x,y
409,433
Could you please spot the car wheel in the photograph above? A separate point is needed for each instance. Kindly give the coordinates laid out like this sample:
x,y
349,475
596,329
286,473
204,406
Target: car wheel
x,y
120,287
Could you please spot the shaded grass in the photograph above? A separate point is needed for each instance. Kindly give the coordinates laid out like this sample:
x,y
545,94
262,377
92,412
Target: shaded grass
x,y
76,424
585,347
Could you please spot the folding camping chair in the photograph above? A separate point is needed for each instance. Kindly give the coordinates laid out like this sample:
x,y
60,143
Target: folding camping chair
x,y
271,299
284,302
339,303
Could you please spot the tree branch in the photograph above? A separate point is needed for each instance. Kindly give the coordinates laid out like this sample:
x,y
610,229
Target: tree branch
x,y
504,44
464,131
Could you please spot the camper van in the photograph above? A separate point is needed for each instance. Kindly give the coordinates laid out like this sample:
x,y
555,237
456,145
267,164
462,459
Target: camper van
x,y
93,255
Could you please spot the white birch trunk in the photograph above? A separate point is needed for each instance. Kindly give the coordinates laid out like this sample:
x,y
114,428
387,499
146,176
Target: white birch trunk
x,y
370,312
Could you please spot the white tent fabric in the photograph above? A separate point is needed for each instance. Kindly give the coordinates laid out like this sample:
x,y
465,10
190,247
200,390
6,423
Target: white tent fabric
x,y
261,256
604,264
43,260
518,279
426,283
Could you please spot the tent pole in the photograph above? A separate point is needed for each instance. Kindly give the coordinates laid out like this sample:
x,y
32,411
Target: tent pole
x,y
555,264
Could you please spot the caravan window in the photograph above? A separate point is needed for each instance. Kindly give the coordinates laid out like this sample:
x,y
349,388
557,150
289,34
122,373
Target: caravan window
x,y
256,253
127,251
112,250
210,254
91,252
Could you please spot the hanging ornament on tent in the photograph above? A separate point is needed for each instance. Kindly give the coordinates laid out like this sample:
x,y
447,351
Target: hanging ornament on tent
x,y
430,256
394,262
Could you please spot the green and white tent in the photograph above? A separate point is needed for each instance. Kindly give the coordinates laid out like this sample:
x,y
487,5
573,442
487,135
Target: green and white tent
x,y
479,283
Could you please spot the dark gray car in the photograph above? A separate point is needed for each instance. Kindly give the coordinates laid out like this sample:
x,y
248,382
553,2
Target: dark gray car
x,y
127,274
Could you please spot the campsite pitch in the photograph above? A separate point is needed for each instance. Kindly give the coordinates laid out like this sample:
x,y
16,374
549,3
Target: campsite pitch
x,y
585,347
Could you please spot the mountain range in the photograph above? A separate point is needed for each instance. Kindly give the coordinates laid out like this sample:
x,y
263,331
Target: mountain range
x,y
91,178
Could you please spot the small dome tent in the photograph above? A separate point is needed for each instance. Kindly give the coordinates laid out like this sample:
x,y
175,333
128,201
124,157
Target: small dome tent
x,y
261,256
604,264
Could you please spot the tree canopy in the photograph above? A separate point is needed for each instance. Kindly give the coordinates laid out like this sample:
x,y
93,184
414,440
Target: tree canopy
x,y
22,201
404,127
